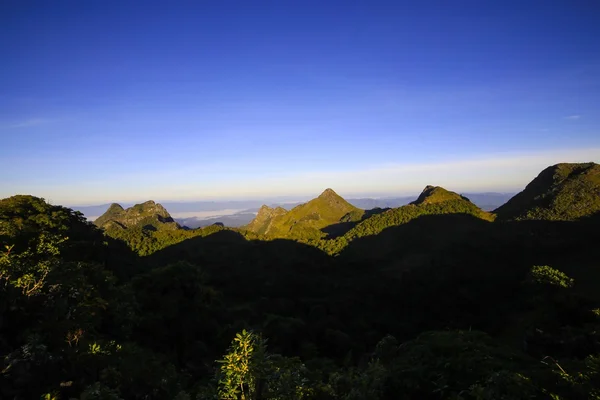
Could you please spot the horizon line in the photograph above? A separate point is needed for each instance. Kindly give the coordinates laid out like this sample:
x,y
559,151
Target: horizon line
x,y
278,199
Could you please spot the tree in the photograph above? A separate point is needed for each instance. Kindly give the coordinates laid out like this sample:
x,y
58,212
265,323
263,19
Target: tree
x,y
175,308
242,367
249,372
545,275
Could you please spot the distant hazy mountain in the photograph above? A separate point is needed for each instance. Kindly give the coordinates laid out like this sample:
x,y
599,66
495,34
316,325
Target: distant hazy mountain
x,y
234,220
485,201
488,201
368,204
560,192
191,206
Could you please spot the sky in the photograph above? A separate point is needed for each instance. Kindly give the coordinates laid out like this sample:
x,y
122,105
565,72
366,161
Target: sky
x,y
104,101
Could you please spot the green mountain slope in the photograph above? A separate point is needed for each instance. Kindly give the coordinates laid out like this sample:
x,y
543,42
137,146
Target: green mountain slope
x,y
30,222
562,192
305,220
436,194
432,201
114,211
149,216
264,218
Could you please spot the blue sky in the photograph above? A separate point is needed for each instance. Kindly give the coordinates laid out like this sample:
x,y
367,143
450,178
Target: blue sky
x,y
105,101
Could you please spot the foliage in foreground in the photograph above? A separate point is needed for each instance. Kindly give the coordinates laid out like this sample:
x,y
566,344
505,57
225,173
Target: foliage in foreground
x,y
76,326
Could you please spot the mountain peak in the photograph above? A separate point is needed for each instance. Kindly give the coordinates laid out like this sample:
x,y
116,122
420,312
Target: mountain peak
x,y
307,219
329,193
147,214
264,208
436,194
114,211
264,218
330,199
115,207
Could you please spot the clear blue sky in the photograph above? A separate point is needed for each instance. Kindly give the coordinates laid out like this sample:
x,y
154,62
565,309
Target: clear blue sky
x,y
106,101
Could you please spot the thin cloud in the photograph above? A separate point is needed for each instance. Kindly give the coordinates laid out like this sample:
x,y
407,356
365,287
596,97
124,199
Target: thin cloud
x,y
491,172
573,117
28,123
506,172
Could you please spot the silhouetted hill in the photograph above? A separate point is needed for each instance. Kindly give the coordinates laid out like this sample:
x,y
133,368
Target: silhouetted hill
x,y
417,243
233,221
561,192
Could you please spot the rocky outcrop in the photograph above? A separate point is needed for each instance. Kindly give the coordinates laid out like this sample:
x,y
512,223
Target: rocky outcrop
x,y
264,218
305,220
148,215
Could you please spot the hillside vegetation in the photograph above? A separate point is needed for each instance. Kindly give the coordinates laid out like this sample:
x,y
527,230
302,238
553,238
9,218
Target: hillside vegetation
x,y
432,300
148,215
432,201
562,192
305,221
263,222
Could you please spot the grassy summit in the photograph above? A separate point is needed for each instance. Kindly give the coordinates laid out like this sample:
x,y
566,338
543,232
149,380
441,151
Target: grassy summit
x,y
262,222
305,220
433,200
436,194
562,192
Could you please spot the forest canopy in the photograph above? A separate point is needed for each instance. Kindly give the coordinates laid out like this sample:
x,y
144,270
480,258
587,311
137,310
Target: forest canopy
x,y
434,300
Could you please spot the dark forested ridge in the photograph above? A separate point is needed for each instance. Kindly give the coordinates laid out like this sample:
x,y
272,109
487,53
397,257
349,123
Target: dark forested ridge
x,y
436,299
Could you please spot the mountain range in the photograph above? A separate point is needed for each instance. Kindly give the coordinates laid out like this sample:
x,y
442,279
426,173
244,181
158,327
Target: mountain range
x,y
562,191
195,214
435,298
